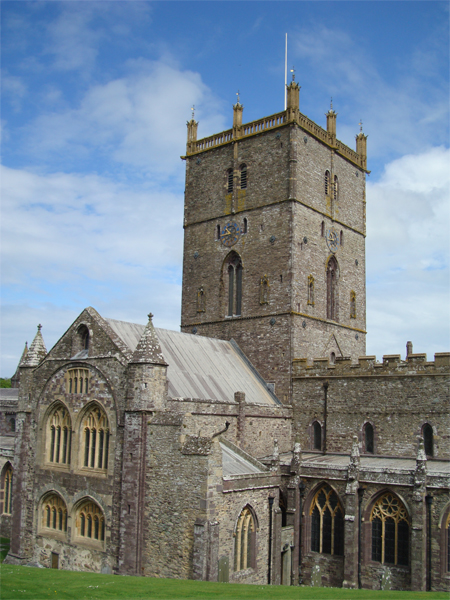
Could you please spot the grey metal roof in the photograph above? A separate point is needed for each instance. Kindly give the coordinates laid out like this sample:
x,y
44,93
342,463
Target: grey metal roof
x,y
199,367
236,462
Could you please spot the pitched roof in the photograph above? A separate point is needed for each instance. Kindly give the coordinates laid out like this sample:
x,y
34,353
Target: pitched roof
x,y
201,368
237,462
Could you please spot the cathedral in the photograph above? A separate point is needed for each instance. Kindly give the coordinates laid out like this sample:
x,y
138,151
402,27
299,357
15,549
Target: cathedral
x,y
260,444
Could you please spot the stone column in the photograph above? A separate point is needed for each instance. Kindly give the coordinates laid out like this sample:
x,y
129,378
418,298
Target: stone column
x,y
351,520
418,521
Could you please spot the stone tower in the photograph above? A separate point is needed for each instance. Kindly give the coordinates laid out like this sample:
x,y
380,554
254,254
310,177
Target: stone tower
x,y
274,240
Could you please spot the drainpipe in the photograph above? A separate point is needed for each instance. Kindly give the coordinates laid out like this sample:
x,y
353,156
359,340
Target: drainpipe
x,y
360,499
301,491
429,501
325,415
269,571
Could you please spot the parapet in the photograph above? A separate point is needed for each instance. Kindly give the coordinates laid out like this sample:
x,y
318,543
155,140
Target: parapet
x,y
391,364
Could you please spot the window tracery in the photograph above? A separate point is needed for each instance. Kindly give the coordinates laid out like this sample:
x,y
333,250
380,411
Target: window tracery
x,y
77,381
90,522
59,432
54,513
95,438
390,531
234,269
244,546
327,522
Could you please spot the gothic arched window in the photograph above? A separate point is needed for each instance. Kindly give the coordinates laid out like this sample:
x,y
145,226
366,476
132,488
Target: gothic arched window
x,y
427,432
234,270
90,521
390,531
6,489
245,541
59,436
336,188
332,292
327,522
368,438
95,438
54,513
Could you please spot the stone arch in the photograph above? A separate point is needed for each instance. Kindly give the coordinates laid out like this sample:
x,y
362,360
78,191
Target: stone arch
x,y
6,489
246,526
232,282
324,520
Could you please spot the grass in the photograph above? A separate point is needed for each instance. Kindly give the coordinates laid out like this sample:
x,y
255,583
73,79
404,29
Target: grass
x,y
31,583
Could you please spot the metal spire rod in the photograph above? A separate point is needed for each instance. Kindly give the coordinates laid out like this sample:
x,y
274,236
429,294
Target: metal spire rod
x,y
285,75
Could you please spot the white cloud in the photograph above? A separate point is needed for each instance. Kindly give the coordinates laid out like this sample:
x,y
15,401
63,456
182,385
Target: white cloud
x,y
137,121
408,218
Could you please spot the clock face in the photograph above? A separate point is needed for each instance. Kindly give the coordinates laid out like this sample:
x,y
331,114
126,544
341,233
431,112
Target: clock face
x,y
230,234
332,240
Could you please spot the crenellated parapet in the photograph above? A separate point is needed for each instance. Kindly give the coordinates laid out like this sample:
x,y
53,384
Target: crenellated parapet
x,y
391,364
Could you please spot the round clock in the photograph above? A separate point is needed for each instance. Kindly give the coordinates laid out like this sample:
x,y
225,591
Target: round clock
x,y
230,234
332,240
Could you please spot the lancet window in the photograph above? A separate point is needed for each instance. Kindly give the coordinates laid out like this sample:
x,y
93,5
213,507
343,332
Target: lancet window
x,y
234,272
243,177
77,381
368,438
230,181
264,288
6,490
427,432
332,291
352,305
327,183
90,521
54,513
59,436
245,538
311,290
95,439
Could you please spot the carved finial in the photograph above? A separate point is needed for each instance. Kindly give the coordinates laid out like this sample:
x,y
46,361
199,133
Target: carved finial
x,y
331,103
193,111
276,451
150,316
293,73
238,98
39,327
360,125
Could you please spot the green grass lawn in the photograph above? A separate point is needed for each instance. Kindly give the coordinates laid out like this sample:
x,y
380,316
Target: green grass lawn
x,y
36,584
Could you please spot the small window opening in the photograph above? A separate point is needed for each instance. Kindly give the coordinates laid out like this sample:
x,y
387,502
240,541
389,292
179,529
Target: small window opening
x,y
341,239
218,232
317,433
323,229
327,183
243,177
427,433
230,181
368,438
332,358
244,228
335,188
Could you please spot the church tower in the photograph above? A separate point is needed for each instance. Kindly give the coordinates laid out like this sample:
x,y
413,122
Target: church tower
x,y
274,240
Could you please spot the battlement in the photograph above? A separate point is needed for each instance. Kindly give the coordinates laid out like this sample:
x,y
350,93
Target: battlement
x,y
392,364
289,116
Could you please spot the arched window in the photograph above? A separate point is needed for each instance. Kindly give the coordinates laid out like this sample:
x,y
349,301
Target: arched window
x,y
230,181
245,541
54,513
95,438
264,287
234,270
352,305
336,188
390,531
6,489
368,438
243,177
83,333
327,522
427,432
59,436
77,381
90,521
317,435
332,284
327,183
333,358
311,290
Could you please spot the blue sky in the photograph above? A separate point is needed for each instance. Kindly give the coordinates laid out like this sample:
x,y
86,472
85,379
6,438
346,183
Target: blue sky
x,y
95,99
